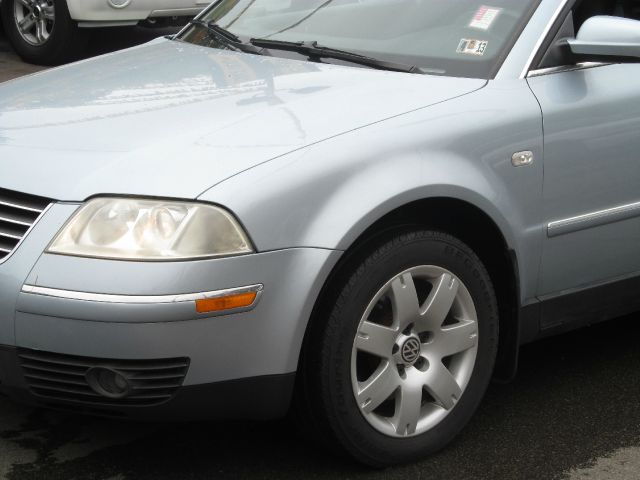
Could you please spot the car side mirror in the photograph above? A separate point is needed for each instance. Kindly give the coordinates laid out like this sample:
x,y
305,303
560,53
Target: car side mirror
x,y
603,38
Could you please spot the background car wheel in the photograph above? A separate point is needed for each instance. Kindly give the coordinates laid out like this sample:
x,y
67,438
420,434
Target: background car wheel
x,y
405,352
41,31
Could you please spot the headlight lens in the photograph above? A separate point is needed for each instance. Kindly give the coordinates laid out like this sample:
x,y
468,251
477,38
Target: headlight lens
x,y
123,228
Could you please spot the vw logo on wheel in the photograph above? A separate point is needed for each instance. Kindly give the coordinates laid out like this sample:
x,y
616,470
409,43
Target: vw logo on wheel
x,y
410,350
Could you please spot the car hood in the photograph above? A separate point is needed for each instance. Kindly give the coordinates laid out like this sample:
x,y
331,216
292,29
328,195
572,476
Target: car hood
x,y
173,119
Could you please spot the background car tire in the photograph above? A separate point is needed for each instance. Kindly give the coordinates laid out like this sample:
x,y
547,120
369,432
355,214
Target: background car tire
x,y
64,41
325,399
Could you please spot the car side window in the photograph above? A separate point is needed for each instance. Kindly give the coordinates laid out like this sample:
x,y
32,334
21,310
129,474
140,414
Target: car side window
x,y
631,9
620,8
590,8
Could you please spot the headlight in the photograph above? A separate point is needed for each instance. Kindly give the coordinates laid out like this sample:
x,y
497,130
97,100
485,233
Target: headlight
x,y
123,228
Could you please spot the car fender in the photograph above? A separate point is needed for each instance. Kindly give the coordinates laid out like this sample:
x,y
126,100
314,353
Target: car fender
x,y
327,194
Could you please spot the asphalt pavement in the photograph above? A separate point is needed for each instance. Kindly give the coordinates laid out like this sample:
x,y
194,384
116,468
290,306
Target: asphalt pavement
x,y
571,413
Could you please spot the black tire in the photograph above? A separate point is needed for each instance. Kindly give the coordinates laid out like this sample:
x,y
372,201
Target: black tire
x,y
65,44
325,400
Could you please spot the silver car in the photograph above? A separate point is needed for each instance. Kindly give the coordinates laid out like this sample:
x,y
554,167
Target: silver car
x,y
358,210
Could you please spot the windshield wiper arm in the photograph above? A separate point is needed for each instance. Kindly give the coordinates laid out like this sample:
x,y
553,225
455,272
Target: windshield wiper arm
x,y
315,51
228,38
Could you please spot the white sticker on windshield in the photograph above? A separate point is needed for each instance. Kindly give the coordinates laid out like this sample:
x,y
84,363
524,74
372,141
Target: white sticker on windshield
x,y
484,17
472,47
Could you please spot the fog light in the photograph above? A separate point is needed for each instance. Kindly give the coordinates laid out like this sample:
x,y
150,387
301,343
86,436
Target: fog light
x,y
107,382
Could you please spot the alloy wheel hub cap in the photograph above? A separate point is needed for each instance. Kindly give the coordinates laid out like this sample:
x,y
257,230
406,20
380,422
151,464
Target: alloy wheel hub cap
x,y
410,351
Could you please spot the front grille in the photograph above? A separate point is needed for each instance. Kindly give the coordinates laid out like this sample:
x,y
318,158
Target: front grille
x,y
18,212
53,376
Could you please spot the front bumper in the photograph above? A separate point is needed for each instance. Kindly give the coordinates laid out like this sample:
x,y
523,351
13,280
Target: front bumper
x,y
237,359
258,398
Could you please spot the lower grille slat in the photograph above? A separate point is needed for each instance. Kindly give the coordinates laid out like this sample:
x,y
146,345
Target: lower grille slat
x,y
106,406
77,391
69,381
130,365
160,376
64,378
164,386
47,368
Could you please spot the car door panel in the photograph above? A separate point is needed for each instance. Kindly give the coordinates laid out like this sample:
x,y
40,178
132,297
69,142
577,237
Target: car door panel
x,y
591,123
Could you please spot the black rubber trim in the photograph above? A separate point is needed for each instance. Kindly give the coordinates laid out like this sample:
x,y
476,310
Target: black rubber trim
x,y
529,322
589,305
554,314
255,398
551,35
510,331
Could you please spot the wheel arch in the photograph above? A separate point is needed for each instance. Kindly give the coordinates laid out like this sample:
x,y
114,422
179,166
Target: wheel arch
x,y
464,220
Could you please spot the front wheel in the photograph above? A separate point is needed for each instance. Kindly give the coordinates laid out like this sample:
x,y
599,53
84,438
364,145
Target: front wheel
x,y
42,31
407,351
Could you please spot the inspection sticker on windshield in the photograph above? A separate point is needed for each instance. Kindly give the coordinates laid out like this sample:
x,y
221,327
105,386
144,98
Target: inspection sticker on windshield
x,y
472,47
484,17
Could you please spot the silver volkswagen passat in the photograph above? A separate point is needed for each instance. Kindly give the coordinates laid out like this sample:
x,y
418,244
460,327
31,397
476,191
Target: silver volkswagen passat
x,y
358,210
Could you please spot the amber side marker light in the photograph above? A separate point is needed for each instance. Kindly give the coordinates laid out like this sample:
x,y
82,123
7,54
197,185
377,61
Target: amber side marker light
x,y
231,302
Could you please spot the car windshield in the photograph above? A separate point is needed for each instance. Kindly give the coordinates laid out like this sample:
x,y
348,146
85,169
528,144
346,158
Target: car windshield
x,y
464,38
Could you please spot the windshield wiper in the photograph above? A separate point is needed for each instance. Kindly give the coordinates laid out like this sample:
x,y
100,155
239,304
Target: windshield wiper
x,y
316,52
228,38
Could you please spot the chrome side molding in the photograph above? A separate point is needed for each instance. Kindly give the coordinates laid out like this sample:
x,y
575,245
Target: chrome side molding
x,y
565,68
142,299
593,219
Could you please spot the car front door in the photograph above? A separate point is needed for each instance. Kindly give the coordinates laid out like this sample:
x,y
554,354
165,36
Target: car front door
x,y
591,199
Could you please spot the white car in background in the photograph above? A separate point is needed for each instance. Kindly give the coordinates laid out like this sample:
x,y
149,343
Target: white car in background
x,y
50,32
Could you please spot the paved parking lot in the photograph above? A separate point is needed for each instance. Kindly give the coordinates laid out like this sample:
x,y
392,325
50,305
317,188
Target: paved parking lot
x,y
572,412
10,64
